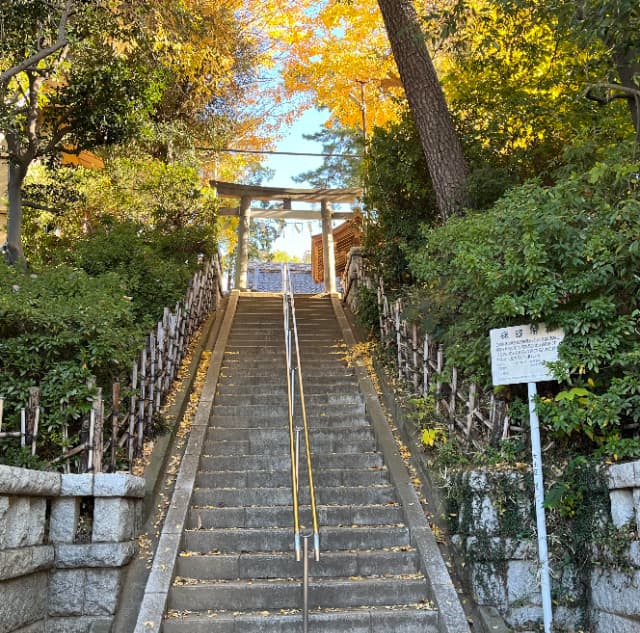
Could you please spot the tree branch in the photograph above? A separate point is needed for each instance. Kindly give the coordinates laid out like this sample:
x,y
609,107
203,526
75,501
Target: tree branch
x,y
43,53
614,91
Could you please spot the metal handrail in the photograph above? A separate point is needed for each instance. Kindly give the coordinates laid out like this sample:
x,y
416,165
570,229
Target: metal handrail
x,y
292,345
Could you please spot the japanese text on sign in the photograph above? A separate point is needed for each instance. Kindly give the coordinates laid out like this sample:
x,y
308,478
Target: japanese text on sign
x,y
520,354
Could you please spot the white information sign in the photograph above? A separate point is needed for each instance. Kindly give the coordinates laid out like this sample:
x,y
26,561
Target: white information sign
x,y
520,354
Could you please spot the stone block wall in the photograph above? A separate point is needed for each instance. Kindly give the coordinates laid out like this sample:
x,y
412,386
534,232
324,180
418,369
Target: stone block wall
x,y
64,543
494,533
493,529
615,581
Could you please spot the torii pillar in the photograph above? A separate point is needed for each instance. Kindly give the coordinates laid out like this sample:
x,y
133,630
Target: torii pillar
x,y
242,257
328,249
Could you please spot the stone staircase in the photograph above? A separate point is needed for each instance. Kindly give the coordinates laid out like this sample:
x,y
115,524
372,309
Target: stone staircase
x,y
237,570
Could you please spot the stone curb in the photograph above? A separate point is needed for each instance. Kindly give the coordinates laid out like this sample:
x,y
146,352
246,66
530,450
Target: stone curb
x,y
162,448
159,581
451,616
157,485
485,619
102,485
38,483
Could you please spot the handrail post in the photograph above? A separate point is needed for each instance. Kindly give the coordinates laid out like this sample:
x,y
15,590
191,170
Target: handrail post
x,y
305,584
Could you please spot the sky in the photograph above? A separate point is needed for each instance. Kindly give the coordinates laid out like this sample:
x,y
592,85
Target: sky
x,y
297,235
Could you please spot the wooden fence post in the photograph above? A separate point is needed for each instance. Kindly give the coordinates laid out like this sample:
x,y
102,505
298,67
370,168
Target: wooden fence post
x,y
33,417
471,407
96,436
414,347
453,395
132,412
151,392
426,369
439,368
397,311
142,401
115,421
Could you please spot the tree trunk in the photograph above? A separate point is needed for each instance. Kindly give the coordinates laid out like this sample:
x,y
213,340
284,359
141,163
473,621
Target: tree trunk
x,y
14,250
446,162
629,72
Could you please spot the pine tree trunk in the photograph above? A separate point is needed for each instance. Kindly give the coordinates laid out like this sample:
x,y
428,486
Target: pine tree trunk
x,y
446,162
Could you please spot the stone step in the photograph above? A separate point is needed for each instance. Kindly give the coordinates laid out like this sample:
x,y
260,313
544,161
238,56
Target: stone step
x,y
280,462
327,495
371,620
246,422
238,540
284,565
265,370
282,516
280,437
318,446
276,362
276,478
285,594
257,387
247,397
282,411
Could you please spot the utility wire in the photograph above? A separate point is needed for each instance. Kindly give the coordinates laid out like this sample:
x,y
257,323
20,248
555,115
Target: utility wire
x,y
259,151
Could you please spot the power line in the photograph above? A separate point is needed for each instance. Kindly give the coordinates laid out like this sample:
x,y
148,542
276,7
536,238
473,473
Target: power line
x,y
258,151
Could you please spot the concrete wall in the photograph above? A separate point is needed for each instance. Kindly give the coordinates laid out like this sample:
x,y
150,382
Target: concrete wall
x,y
501,568
64,543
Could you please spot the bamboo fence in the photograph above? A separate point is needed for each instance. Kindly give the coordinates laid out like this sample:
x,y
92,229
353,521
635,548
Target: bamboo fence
x,y
110,440
473,415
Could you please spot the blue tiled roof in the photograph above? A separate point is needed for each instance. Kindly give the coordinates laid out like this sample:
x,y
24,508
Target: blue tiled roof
x,y
267,277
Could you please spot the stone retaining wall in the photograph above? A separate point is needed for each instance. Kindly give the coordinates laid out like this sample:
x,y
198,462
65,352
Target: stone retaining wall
x,y
615,589
64,543
501,562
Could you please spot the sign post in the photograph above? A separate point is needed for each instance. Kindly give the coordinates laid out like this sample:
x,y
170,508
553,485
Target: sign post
x,y
521,355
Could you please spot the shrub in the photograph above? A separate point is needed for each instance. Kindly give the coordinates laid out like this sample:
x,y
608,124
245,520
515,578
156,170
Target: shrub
x,y
57,329
566,255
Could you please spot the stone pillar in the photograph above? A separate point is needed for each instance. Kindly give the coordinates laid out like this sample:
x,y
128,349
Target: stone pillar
x,y
4,189
242,257
328,251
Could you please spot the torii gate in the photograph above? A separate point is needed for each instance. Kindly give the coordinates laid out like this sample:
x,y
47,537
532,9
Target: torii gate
x,y
248,193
